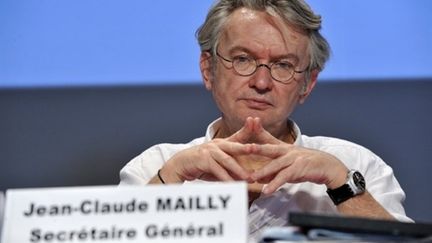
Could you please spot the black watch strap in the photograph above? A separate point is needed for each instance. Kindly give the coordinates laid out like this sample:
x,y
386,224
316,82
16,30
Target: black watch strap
x,y
340,194
354,185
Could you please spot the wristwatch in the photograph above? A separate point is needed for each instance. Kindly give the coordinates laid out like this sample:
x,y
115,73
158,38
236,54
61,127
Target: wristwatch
x,y
354,185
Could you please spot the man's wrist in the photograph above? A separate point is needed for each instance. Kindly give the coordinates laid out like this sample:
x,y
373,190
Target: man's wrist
x,y
167,175
338,180
355,185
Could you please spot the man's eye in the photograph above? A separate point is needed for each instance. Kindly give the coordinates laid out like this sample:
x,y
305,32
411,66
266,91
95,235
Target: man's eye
x,y
242,59
283,65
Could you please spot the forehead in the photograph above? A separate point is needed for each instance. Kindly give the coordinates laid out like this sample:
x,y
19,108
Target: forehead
x,y
261,32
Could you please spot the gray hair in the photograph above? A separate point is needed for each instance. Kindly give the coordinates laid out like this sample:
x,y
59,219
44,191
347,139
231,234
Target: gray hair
x,y
295,12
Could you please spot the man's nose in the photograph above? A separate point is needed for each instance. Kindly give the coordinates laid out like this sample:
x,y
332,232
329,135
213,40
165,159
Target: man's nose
x,y
262,79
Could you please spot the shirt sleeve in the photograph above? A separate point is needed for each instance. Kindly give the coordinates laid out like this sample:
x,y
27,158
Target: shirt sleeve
x,y
384,187
381,182
142,168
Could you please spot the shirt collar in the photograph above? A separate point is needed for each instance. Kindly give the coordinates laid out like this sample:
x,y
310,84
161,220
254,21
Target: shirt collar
x,y
214,127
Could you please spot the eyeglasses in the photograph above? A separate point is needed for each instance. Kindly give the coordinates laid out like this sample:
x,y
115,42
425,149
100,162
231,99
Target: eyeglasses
x,y
281,71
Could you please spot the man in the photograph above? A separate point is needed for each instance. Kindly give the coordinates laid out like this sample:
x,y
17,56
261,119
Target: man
x,y
260,59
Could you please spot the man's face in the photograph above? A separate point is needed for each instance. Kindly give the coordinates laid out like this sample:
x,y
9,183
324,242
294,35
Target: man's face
x,y
267,39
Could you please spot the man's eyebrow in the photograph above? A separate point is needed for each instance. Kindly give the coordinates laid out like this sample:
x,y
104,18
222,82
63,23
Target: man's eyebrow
x,y
291,56
239,48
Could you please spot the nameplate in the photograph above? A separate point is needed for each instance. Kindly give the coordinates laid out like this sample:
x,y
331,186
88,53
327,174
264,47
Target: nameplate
x,y
207,212
1,211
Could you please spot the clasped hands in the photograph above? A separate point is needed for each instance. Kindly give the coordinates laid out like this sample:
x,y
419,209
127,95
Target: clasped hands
x,y
252,154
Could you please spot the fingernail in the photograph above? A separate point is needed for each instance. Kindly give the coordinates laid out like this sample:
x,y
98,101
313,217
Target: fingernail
x,y
265,190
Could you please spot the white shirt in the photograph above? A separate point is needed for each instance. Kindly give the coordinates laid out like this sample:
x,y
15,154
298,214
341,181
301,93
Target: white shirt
x,y
2,205
272,210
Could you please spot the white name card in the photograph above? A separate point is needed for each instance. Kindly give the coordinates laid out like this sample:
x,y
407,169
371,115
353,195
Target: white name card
x,y
208,212
1,211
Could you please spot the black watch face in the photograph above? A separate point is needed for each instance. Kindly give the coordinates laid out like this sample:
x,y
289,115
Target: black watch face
x,y
359,181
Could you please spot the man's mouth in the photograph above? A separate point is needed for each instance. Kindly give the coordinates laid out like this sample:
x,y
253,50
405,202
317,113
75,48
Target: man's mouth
x,y
257,103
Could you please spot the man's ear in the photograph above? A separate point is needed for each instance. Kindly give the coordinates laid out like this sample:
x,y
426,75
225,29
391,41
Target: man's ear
x,y
308,86
205,67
